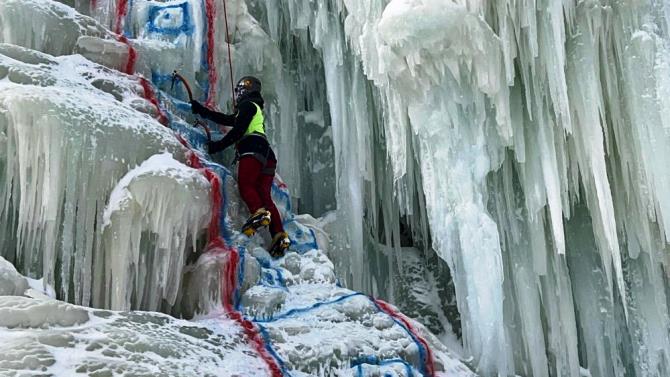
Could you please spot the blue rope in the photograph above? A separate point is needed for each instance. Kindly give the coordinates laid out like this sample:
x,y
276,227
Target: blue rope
x,y
308,309
422,351
374,360
240,278
224,174
203,58
268,279
126,22
268,347
281,193
192,136
311,232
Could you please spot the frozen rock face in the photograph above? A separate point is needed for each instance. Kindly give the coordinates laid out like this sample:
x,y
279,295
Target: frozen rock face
x,y
523,143
46,26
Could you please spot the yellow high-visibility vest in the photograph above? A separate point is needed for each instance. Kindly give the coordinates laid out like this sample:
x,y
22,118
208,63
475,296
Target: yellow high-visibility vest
x,y
257,124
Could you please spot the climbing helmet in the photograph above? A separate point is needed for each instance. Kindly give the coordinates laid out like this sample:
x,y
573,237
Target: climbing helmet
x,y
246,86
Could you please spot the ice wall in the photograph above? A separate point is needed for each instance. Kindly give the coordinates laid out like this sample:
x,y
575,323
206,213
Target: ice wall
x,y
523,142
49,26
306,322
106,192
153,40
164,198
531,138
190,36
70,130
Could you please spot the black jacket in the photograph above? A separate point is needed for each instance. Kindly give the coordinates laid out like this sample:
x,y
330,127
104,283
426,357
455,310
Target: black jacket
x,y
246,145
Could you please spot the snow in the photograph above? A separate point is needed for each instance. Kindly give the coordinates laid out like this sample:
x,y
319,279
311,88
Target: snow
x,y
49,26
64,338
77,340
11,282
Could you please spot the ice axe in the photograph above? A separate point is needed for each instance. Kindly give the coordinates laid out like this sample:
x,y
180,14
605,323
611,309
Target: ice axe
x,y
176,76
198,123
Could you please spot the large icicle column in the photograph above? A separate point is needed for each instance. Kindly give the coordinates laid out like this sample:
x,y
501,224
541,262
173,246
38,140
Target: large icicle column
x,y
534,135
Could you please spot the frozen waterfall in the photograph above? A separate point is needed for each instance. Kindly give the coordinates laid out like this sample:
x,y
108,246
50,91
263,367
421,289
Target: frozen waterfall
x,y
524,143
108,197
495,168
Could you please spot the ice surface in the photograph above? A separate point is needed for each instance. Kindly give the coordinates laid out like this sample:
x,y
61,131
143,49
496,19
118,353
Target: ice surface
x,y
46,26
67,145
485,130
100,198
11,282
524,143
164,198
312,325
76,340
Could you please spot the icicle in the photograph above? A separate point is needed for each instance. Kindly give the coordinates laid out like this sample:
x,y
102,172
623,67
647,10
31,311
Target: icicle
x,y
142,233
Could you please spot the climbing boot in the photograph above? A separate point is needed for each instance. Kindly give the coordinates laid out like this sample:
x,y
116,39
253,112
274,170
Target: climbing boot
x,y
280,243
258,220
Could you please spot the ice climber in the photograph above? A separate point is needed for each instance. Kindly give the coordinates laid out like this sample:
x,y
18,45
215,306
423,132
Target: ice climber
x,y
257,161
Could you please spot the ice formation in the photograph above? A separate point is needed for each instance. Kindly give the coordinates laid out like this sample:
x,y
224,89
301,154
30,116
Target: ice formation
x,y
522,142
320,329
495,167
162,197
107,196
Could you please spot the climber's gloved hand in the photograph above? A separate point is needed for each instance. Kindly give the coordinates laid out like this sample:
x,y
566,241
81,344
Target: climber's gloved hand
x,y
197,108
210,147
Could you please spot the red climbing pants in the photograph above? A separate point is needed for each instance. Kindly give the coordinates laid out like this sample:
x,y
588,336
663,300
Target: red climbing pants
x,y
256,187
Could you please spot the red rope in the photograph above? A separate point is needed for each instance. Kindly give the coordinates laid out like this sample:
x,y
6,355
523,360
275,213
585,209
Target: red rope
x,y
230,268
216,243
150,96
257,342
132,54
121,12
210,10
230,57
388,309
